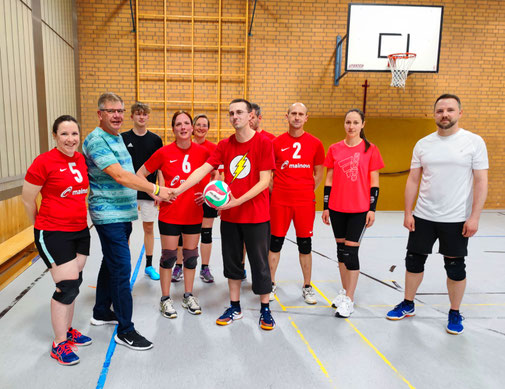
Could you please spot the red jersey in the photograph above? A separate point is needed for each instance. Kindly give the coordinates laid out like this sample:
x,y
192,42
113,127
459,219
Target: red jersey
x,y
351,175
177,164
243,163
295,159
64,182
210,148
268,135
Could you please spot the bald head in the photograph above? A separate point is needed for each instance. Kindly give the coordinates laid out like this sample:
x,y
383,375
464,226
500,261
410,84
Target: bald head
x,y
298,106
297,117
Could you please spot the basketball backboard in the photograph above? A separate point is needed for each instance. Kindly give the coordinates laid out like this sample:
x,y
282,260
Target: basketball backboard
x,y
376,30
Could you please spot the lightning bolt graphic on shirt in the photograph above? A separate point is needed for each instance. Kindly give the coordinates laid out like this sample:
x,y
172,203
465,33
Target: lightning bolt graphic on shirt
x,y
240,166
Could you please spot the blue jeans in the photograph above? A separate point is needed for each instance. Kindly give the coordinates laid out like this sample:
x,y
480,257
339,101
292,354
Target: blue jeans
x,y
113,284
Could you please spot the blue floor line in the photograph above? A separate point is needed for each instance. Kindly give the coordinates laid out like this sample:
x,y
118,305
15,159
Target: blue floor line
x,y
112,344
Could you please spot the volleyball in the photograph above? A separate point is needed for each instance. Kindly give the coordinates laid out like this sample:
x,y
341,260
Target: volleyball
x,y
216,194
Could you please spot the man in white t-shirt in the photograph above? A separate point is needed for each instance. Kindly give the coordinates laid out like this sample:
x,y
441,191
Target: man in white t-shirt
x,y
451,165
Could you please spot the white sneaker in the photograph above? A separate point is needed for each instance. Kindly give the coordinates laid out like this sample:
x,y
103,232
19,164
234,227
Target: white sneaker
x,y
308,295
192,305
272,293
345,308
167,308
338,300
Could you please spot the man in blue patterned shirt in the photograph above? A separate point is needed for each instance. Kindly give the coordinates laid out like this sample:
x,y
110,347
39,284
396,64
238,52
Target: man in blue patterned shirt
x,y
112,207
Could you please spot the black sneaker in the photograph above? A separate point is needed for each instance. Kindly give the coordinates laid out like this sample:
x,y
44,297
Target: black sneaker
x,y
133,340
109,318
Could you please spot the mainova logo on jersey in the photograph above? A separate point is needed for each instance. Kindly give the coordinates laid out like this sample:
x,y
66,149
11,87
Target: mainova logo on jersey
x,y
286,164
76,192
176,180
349,166
240,166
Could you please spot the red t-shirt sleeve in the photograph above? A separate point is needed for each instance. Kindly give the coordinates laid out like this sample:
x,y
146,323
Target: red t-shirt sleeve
x,y
329,162
267,161
216,158
376,161
155,161
319,157
36,173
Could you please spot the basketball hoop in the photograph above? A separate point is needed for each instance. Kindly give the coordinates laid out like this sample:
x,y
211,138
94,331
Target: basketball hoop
x,y
400,64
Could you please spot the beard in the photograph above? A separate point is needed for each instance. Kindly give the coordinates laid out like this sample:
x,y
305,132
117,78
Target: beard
x,y
446,125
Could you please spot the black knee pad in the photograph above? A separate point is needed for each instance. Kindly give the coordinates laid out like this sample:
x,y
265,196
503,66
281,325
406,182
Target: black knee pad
x,y
415,262
69,289
276,243
352,259
80,278
168,258
455,268
304,245
190,258
340,251
180,241
206,235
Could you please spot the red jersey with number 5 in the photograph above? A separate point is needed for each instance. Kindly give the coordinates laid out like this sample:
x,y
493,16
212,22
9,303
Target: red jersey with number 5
x,y
295,159
64,182
177,164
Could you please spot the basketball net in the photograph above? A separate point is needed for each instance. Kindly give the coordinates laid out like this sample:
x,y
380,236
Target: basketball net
x,y
400,64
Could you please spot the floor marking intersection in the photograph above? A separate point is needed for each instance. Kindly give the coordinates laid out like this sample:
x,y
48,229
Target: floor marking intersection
x,y
367,341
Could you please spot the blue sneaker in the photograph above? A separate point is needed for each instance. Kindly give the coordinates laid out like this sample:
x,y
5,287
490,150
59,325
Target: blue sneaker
x,y
401,310
77,338
152,273
64,353
454,326
229,316
266,322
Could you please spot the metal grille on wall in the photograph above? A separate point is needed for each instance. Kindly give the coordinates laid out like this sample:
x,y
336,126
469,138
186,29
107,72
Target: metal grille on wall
x,y
191,55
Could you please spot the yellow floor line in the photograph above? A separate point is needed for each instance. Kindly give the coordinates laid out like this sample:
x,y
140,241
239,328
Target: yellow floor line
x,y
368,342
311,350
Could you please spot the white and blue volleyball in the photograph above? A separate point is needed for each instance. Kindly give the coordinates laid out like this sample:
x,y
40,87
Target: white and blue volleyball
x,y
216,194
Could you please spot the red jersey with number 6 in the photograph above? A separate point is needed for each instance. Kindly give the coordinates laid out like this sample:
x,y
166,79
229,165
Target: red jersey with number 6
x,y
64,182
177,164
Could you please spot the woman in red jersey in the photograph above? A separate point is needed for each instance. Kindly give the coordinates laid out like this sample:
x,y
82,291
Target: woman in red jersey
x,y
182,215
61,229
201,125
350,198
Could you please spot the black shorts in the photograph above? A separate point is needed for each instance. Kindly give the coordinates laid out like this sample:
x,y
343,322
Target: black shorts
x,y
208,212
178,229
256,237
60,247
451,241
350,226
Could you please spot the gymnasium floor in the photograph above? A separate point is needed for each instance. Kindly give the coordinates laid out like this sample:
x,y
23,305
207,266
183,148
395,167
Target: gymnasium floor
x,y
310,348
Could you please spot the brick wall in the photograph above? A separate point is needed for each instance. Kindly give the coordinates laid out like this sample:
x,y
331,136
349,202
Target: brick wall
x,y
291,58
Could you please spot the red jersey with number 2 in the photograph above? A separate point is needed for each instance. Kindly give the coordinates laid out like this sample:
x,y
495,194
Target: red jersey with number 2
x,y
64,182
295,159
350,189
177,164
243,163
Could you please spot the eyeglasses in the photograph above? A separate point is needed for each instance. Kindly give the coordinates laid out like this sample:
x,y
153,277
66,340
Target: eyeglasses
x,y
113,111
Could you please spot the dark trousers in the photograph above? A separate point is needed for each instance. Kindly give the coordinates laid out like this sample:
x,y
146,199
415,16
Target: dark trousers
x,y
256,237
113,284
